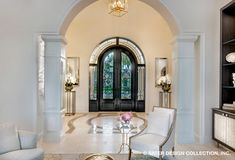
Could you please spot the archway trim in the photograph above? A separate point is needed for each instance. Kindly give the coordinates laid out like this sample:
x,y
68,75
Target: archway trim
x,y
100,48
78,5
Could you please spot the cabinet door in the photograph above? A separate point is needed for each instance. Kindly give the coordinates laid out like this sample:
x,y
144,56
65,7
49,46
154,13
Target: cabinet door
x,y
231,132
220,127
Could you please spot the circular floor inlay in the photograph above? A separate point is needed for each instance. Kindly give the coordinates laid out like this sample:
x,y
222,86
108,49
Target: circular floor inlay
x,y
108,123
99,157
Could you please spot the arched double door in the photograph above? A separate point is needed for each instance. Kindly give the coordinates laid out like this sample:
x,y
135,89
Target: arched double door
x,y
117,76
117,84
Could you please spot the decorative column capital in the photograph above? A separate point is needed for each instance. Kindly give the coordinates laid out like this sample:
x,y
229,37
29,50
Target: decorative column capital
x,y
187,37
54,38
184,45
54,45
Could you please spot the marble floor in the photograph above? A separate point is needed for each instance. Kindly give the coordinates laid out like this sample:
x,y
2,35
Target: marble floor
x,y
83,134
98,133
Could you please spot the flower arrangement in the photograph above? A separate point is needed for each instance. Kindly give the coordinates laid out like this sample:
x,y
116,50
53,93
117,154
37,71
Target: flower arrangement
x,y
165,83
69,82
126,117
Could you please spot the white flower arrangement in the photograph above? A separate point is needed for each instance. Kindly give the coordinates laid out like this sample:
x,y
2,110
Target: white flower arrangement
x,y
164,82
69,82
69,78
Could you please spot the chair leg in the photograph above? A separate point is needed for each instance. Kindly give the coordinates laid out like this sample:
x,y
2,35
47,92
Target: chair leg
x,y
130,151
173,151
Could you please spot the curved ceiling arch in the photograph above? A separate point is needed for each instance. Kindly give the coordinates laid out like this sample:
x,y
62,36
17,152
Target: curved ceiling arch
x,y
79,5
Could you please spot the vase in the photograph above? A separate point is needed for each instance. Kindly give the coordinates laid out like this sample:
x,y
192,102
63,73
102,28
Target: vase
x,y
165,99
125,124
166,87
68,88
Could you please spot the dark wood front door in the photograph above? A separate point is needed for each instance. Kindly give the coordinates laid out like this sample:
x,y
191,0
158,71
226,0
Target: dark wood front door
x,y
117,80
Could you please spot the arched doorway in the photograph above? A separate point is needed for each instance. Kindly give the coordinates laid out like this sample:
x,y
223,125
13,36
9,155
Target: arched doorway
x,y
117,80
182,80
117,77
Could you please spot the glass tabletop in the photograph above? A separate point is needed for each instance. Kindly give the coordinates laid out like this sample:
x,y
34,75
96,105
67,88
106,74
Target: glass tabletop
x,y
125,127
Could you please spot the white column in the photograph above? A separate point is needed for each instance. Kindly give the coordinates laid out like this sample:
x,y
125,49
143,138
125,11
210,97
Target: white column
x,y
183,87
54,87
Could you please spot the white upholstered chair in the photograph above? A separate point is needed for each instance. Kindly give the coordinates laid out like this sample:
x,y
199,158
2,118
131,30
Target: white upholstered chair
x,y
159,136
18,145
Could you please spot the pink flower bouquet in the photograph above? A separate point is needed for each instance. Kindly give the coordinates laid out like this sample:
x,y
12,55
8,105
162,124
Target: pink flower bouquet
x,y
126,117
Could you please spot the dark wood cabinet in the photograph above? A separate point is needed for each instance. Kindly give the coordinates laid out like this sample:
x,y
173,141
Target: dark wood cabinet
x,y
227,94
224,120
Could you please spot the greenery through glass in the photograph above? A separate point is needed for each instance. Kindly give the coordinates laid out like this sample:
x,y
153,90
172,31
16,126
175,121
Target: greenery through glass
x,y
108,76
126,68
93,82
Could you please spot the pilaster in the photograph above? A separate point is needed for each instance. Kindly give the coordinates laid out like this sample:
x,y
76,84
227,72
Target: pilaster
x,y
184,87
54,87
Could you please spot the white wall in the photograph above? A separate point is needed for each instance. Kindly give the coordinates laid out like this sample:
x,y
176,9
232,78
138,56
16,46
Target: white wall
x,y
17,65
94,24
21,19
203,16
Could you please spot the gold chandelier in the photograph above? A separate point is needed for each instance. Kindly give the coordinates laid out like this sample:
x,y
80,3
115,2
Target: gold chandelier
x,y
118,7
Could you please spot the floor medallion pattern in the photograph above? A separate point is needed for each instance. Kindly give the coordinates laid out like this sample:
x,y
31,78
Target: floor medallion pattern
x,y
108,123
71,125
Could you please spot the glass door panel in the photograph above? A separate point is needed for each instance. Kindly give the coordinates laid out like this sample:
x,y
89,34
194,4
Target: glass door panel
x,y
141,83
108,74
93,82
126,77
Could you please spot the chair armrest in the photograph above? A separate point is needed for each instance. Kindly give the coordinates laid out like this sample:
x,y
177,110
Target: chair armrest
x,y
28,140
169,142
170,139
143,131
